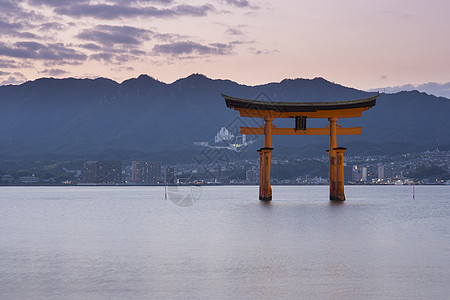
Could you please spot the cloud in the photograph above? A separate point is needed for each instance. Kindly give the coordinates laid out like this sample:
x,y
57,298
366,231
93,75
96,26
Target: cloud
x,y
12,64
168,37
234,31
34,50
59,3
8,5
111,35
55,3
262,51
240,3
433,88
110,12
4,73
10,8
27,35
193,11
189,48
108,57
90,46
7,63
124,58
62,63
137,52
53,72
14,30
52,26
15,78
149,1
5,26
115,44
13,10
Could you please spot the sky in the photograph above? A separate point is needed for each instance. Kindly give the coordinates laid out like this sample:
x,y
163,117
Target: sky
x,y
393,44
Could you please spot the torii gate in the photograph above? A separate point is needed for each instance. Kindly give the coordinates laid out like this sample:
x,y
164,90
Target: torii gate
x,y
301,111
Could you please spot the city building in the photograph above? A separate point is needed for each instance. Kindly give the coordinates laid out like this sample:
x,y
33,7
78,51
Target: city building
x,y
8,178
252,175
170,175
364,174
381,172
355,174
145,172
127,173
29,179
110,171
90,172
102,172
140,171
155,172
347,173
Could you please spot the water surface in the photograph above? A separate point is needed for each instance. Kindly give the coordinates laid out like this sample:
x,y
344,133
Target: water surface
x,y
130,243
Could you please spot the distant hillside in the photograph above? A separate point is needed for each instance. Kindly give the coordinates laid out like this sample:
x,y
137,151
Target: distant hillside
x,y
81,116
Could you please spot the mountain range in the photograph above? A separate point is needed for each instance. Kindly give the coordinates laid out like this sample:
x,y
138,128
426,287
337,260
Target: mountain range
x,y
143,115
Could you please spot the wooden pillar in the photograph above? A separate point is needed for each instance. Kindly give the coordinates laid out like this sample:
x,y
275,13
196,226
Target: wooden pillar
x,y
340,196
265,189
265,159
261,172
332,158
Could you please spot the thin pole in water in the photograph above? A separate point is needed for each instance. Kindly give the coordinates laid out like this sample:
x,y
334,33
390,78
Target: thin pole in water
x,y
414,189
165,185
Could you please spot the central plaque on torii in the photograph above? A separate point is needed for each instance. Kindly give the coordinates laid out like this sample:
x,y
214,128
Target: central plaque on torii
x,y
300,111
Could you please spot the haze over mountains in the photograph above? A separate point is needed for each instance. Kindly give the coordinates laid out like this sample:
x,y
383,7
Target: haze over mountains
x,y
433,88
82,116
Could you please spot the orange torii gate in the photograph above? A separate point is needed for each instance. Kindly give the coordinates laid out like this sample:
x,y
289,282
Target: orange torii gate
x,y
300,111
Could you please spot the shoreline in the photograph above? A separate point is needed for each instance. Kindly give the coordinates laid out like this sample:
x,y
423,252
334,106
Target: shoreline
x,y
214,184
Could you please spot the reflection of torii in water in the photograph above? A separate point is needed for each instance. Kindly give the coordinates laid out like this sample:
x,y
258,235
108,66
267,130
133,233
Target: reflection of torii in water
x,y
224,139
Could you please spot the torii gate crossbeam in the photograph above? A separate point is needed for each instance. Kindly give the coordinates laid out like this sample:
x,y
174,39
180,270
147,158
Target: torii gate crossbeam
x,y
301,111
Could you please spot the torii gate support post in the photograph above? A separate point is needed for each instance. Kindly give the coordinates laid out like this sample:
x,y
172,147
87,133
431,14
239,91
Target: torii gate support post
x,y
265,190
261,173
332,159
340,196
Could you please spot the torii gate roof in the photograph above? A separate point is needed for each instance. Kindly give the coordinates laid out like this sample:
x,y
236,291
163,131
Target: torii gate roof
x,y
342,109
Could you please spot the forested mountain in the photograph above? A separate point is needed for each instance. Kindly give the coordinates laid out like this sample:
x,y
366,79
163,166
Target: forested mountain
x,y
80,116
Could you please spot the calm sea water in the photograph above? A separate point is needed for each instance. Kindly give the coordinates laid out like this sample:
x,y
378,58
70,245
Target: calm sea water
x,y
130,243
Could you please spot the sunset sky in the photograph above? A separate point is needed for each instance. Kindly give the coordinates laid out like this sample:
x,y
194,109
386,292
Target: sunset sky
x,y
357,43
